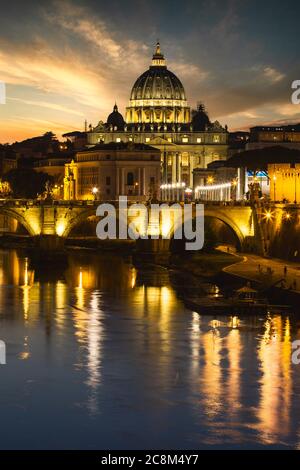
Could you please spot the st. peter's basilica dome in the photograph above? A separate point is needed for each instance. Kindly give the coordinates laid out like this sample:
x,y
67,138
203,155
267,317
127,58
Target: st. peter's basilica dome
x,y
158,95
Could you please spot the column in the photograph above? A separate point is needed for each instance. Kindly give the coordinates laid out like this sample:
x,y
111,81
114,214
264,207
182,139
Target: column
x,y
165,170
144,182
191,164
118,182
123,181
174,167
177,168
139,182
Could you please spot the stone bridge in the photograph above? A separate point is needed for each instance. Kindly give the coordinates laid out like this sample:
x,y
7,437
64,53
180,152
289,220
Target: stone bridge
x,y
51,222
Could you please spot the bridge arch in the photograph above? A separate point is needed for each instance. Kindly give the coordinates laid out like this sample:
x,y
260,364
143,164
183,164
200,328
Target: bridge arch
x,y
237,219
219,215
16,214
74,221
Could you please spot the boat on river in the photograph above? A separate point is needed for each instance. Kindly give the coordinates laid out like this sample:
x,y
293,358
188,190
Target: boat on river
x,y
245,300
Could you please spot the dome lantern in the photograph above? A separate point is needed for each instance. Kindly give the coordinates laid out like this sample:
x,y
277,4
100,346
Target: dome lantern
x,y
158,59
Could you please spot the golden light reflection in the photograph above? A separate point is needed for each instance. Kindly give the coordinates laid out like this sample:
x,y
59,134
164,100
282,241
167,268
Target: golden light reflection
x,y
234,347
26,301
195,344
95,333
89,332
234,322
61,291
211,377
133,274
274,354
24,355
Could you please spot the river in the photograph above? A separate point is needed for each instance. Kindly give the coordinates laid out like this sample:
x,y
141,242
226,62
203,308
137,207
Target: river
x,y
104,355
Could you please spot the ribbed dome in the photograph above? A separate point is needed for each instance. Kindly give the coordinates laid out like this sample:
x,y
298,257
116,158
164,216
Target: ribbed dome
x,y
158,82
116,119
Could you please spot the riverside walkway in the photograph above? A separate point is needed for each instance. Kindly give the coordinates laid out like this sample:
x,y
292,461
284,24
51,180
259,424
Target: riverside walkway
x,y
267,271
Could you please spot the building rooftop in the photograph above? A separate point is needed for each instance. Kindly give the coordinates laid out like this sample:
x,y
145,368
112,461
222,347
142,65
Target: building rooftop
x,y
260,158
287,128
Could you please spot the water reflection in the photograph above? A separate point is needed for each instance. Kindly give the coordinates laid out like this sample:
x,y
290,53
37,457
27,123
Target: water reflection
x,y
274,354
124,345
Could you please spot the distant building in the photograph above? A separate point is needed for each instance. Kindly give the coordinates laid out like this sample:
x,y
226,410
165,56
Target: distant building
x,y
268,136
7,164
109,170
77,139
237,142
276,169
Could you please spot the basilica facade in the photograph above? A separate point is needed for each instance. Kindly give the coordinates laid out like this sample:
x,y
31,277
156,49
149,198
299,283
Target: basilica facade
x,y
158,115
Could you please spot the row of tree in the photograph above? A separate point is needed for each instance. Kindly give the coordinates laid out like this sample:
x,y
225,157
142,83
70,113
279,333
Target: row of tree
x,y
25,183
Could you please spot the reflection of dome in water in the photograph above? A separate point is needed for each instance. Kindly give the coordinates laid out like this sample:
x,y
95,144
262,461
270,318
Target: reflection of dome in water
x,y
115,119
158,95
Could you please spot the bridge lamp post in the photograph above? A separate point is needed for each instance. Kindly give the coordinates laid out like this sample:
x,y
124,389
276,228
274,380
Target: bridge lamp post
x,y
234,188
210,180
268,215
274,184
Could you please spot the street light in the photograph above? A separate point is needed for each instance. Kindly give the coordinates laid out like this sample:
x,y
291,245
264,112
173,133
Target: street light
x,y
274,183
94,191
268,215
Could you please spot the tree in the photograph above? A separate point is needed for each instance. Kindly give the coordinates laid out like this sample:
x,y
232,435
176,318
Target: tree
x,y
27,183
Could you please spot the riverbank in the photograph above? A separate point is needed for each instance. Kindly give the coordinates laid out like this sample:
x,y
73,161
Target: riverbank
x,y
204,264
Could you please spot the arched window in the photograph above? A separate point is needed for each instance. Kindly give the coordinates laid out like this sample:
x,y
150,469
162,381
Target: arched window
x,y
130,179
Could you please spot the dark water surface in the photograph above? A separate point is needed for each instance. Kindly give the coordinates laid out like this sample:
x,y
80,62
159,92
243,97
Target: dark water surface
x,y
105,356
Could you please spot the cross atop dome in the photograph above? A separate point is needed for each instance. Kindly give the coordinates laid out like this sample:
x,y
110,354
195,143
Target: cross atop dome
x,y
158,59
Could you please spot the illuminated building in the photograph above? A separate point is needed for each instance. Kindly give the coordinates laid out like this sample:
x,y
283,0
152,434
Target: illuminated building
x,y
158,115
109,170
275,169
284,181
70,181
266,136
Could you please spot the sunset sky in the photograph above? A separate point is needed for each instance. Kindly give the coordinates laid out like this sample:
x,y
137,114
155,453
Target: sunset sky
x,y
67,61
